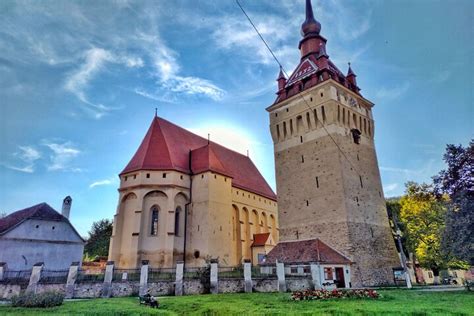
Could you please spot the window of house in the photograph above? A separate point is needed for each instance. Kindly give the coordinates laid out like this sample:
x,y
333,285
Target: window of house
x,y
306,269
261,258
294,270
328,273
430,275
176,220
154,221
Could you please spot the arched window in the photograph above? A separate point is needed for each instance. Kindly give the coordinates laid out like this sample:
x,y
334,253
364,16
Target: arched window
x,y
176,220
154,221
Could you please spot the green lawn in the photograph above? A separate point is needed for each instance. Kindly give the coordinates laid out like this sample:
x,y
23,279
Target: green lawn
x,y
393,302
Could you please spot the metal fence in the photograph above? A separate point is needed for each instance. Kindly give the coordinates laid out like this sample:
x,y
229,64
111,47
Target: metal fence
x,y
161,274
53,276
84,277
124,275
231,272
16,277
264,272
191,273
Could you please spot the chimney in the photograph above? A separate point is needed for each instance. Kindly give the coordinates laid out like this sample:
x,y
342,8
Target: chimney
x,y
66,206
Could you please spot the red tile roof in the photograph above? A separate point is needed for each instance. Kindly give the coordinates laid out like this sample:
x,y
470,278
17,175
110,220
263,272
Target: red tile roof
x,y
260,239
166,146
40,211
305,251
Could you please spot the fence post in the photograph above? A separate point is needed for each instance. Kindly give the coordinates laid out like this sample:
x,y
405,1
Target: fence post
x,y
71,279
214,276
143,278
281,277
315,275
178,289
3,269
109,273
35,277
248,276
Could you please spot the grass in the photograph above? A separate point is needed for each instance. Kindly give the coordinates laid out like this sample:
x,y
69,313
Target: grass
x,y
393,302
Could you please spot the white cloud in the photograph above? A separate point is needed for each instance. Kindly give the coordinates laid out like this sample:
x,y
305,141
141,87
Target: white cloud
x,y
28,155
62,156
94,61
390,188
194,86
441,76
109,181
393,92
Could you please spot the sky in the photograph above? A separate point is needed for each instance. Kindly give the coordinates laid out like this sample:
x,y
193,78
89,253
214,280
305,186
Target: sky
x,y
80,81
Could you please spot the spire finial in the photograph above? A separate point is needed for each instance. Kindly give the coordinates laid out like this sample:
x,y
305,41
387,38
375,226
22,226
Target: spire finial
x,y
349,71
156,112
310,25
208,138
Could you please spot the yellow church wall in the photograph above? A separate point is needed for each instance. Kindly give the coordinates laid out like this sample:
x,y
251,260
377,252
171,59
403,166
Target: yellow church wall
x,y
217,226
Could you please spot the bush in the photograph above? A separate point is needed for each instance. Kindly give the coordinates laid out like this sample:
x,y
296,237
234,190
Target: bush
x,y
45,299
325,294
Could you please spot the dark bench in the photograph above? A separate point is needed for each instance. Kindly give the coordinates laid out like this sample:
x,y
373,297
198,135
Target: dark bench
x,y
149,300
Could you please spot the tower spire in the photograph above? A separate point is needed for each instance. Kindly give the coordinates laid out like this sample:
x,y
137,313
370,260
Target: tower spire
x,y
310,26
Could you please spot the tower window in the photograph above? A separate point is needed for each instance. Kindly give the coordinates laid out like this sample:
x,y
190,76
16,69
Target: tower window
x,y
317,182
356,135
301,138
126,178
176,220
322,94
154,221
276,114
164,175
310,99
307,203
361,184
181,177
148,175
324,113
134,176
302,158
287,110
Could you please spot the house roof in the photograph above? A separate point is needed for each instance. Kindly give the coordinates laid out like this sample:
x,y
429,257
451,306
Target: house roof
x,y
167,146
40,211
305,251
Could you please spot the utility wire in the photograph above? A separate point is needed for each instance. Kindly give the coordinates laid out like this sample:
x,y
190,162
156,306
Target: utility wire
x,y
299,94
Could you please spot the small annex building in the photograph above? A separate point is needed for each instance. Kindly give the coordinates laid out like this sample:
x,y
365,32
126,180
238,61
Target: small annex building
x,y
40,234
261,246
333,267
185,198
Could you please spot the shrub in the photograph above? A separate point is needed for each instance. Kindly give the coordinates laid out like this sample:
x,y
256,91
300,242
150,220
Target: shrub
x,y
325,294
44,300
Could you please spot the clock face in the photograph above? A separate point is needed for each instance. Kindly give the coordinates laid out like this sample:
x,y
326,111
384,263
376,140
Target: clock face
x,y
353,102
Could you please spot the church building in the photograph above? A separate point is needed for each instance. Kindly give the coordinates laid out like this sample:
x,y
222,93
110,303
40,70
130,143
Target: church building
x,y
185,198
327,175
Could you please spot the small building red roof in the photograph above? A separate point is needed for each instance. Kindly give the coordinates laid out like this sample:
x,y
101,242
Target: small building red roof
x,y
260,239
305,251
167,146
40,211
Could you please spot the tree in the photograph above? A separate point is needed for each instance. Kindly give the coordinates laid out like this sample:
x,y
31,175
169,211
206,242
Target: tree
x,y
458,182
423,215
99,239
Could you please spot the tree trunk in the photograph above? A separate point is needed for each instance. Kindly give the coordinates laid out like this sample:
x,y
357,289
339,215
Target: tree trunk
x,y
436,275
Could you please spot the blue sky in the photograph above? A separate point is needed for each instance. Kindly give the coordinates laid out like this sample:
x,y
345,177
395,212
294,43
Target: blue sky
x,y
80,81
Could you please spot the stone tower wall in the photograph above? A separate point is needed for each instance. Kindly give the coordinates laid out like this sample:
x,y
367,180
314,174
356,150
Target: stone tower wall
x,y
323,195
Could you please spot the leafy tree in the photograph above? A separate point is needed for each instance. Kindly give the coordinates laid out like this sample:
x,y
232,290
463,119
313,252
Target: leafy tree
x,y
458,182
423,215
99,239
3,214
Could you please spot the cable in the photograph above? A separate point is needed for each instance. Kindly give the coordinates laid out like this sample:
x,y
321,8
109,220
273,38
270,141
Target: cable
x,y
299,94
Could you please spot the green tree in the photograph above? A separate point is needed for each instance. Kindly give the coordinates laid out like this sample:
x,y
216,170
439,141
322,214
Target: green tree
x,y
458,182
423,214
99,239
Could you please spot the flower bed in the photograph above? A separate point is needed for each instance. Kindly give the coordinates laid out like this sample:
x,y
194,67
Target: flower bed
x,y
325,294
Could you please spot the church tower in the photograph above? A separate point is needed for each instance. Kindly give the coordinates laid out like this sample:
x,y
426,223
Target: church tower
x,y
327,175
